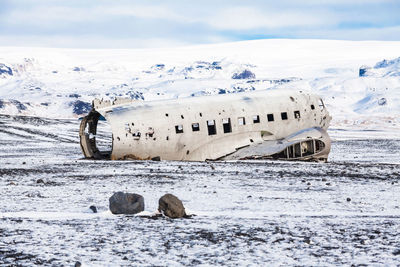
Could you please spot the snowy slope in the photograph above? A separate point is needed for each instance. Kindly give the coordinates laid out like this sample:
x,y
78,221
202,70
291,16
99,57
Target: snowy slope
x,y
359,81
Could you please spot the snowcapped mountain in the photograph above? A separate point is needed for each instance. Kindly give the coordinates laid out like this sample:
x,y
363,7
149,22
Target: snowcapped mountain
x,y
384,68
359,81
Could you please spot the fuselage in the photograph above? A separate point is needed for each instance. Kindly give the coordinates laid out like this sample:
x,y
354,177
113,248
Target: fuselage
x,y
209,127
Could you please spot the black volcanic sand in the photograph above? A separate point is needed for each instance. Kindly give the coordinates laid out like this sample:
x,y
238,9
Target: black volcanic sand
x,y
343,212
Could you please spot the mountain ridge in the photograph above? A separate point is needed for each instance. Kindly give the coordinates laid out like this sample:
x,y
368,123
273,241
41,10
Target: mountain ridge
x,y
61,83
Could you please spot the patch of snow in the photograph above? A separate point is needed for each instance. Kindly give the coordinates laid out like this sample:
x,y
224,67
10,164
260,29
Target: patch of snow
x,y
61,83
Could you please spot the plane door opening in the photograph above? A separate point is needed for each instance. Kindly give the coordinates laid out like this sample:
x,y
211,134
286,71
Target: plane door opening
x,y
95,136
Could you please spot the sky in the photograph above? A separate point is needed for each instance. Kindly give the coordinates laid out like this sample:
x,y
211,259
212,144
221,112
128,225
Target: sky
x,y
166,23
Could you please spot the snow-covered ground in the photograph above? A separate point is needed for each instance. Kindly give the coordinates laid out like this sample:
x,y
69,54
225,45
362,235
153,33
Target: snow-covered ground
x,y
359,81
344,212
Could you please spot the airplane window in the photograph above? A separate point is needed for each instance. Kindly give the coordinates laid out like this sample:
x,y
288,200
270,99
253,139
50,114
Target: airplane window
x,y
270,117
226,123
312,107
241,121
297,114
195,127
256,119
136,135
179,129
212,130
284,115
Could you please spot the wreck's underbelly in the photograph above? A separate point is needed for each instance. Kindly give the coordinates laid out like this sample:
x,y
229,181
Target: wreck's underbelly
x,y
238,128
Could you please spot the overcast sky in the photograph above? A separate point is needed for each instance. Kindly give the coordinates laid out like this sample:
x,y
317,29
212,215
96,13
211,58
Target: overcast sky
x,y
140,24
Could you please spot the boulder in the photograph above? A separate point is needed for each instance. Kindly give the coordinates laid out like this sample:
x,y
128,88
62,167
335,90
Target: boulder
x,y
80,107
5,69
364,71
126,203
246,74
382,101
93,208
171,206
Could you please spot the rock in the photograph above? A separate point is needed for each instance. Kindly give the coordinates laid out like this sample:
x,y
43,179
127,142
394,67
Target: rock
x,y
39,181
246,74
80,107
18,104
382,101
153,216
126,203
5,69
78,69
75,95
396,252
386,63
93,208
78,264
363,71
171,206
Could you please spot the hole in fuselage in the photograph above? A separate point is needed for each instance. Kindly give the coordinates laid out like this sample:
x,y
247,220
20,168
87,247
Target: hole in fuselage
x,y
104,138
96,136
302,149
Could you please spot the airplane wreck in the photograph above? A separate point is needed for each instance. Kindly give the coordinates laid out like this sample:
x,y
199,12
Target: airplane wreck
x,y
272,124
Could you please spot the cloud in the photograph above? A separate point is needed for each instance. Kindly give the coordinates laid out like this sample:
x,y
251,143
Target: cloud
x,y
140,11
176,22
346,2
365,34
47,14
43,15
244,18
88,41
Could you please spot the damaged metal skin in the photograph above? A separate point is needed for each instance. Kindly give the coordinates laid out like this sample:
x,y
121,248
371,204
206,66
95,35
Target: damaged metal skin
x,y
273,124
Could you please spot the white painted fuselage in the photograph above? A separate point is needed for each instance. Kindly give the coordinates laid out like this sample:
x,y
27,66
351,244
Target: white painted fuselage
x,y
212,127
